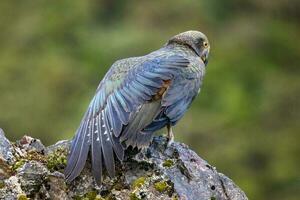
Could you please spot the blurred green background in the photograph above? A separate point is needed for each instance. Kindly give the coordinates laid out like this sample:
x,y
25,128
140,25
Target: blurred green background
x,y
245,122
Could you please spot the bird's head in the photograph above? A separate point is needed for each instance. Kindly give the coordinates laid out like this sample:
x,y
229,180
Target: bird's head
x,y
194,40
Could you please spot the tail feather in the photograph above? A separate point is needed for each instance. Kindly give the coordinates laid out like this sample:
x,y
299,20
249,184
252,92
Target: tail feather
x,y
71,160
97,152
79,155
96,134
118,149
107,147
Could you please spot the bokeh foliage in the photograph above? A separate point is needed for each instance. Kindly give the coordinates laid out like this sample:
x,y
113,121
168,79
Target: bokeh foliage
x,y
246,121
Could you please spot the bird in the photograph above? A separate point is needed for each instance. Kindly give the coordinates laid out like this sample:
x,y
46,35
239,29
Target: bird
x,y
137,97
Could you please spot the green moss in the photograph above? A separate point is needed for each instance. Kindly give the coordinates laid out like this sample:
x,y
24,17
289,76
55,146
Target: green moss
x,y
138,183
168,163
33,155
22,197
77,197
212,198
2,184
91,195
161,186
98,197
18,164
133,196
57,160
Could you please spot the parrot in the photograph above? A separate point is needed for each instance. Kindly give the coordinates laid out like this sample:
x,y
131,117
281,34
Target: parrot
x,y
137,97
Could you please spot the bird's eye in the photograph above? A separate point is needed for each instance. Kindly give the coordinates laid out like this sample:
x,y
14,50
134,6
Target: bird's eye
x,y
205,44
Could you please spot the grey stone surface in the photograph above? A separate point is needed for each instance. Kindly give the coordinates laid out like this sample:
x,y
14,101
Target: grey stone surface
x,y
6,149
158,172
31,176
31,144
193,177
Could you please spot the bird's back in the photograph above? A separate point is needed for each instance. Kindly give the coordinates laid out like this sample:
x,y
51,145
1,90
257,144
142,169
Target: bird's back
x,y
137,96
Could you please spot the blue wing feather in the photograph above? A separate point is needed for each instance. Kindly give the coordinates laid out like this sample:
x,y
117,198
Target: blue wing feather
x,y
176,101
107,146
148,82
97,152
112,108
79,154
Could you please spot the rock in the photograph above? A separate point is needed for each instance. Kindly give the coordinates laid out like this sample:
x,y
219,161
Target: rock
x,y
63,144
158,172
6,157
55,187
5,170
31,144
6,149
31,176
11,189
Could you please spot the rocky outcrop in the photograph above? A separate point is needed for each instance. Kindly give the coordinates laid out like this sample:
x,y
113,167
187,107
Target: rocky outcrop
x,y
29,170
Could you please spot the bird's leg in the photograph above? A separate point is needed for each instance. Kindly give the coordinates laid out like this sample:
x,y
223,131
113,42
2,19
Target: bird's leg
x,y
170,135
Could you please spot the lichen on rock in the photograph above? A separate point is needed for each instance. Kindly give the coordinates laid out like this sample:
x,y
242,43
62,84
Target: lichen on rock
x,y
29,170
161,186
57,160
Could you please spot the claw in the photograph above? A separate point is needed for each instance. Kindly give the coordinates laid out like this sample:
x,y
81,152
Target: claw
x,y
170,135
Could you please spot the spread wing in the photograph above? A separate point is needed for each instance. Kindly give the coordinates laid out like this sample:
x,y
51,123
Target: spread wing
x,y
125,90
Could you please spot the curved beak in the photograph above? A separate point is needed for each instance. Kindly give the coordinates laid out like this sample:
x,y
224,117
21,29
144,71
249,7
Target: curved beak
x,y
204,56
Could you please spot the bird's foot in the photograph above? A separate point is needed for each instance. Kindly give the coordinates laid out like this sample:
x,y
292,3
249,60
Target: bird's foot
x,y
170,142
170,136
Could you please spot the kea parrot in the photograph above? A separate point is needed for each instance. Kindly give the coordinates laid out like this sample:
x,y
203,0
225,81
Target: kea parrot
x,y
137,97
